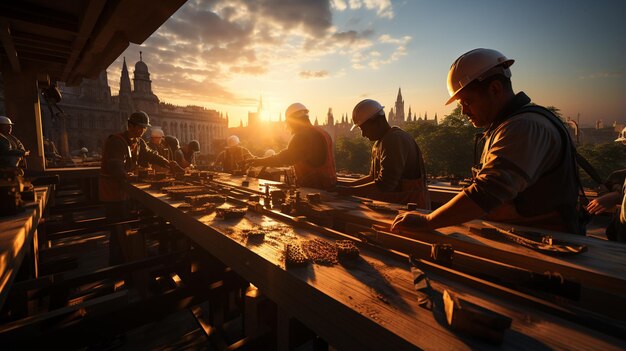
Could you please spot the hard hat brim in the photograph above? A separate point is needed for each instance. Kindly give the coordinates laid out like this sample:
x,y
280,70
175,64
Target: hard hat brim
x,y
620,139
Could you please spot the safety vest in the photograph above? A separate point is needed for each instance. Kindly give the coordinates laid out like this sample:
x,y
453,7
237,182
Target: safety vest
x,y
232,158
319,177
552,201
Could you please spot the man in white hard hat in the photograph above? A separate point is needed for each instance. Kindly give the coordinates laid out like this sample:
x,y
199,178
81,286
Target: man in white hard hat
x,y
233,155
527,173
310,151
11,148
157,143
616,194
397,172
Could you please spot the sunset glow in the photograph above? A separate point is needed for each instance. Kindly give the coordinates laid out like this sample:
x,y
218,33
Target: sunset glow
x,y
225,55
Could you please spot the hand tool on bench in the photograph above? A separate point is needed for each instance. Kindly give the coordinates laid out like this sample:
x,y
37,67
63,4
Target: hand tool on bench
x,y
543,243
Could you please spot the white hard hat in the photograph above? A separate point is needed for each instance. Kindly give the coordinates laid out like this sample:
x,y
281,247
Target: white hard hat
x,y
157,132
84,149
5,120
296,110
622,136
477,64
365,110
269,152
232,140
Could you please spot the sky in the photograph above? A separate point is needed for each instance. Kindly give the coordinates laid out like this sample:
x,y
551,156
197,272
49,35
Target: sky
x,y
227,54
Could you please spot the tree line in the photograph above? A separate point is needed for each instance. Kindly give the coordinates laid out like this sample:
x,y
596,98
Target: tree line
x,y
449,149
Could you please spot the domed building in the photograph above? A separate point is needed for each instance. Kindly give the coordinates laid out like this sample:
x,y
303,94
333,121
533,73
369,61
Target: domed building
x,y
93,113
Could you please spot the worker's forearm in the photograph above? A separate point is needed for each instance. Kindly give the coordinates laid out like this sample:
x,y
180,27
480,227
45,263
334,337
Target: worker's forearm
x,y
456,211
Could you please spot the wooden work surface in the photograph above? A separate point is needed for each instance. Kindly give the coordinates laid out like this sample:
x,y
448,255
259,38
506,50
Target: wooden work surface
x,y
603,265
365,304
16,238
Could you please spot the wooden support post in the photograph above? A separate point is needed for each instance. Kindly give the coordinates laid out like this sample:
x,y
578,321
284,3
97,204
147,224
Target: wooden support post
x,y
22,106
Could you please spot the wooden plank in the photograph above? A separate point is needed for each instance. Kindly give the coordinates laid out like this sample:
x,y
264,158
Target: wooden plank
x,y
372,305
16,238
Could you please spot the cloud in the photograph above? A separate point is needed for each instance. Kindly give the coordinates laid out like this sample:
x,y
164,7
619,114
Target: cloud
x,y
207,44
313,74
383,8
601,75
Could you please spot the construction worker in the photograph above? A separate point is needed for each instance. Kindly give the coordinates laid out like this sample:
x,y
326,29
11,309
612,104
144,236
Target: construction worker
x,y
616,186
121,154
310,151
233,155
527,173
186,155
172,143
397,172
12,150
157,143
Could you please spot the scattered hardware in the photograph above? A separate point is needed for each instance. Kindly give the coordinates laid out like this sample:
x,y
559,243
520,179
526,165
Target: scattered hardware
x,y
320,251
346,249
231,212
294,255
197,200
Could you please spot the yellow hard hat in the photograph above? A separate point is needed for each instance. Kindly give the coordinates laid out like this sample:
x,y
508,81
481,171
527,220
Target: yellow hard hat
x,y
477,64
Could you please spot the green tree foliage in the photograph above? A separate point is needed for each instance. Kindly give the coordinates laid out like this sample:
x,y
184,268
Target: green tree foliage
x,y
448,148
605,158
353,155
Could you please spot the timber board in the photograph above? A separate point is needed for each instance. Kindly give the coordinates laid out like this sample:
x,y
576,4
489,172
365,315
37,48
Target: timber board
x,y
369,304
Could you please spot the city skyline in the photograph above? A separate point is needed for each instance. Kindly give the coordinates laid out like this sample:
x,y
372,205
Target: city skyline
x,y
331,54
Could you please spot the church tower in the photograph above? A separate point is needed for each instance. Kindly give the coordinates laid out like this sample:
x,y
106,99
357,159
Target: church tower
x,y
399,110
331,119
143,97
125,93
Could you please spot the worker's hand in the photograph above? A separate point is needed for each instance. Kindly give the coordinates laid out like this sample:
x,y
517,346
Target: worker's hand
x,y
410,221
176,168
604,203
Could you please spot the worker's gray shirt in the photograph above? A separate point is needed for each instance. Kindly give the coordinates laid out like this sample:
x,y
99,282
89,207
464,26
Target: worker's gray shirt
x,y
523,148
394,158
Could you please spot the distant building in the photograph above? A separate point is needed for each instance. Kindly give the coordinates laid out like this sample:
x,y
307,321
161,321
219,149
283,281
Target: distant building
x,y
396,115
93,113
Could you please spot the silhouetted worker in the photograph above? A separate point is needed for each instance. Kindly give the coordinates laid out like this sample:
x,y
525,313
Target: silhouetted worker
x,y
528,172
121,154
616,194
310,151
232,157
12,150
186,155
397,173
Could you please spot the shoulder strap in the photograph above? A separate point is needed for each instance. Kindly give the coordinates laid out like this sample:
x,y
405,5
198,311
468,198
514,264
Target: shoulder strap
x,y
580,160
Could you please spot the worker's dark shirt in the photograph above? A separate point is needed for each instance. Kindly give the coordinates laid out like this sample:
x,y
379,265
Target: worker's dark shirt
x,y
394,158
305,144
121,155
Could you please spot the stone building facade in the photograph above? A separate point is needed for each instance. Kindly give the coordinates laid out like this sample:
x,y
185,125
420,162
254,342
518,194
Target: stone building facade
x,y
93,113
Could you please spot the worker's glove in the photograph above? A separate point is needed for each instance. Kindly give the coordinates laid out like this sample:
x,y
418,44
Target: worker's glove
x,y
176,168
